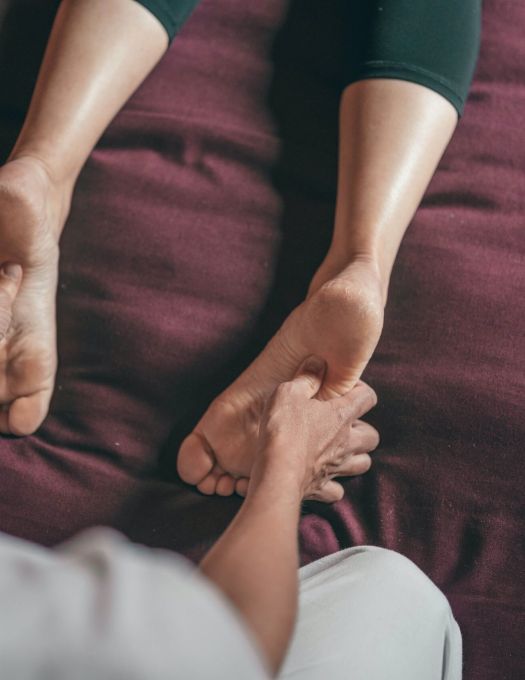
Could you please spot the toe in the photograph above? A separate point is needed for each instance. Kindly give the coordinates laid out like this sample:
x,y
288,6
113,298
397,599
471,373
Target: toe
x,y
25,414
195,460
241,486
225,486
208,486
26,387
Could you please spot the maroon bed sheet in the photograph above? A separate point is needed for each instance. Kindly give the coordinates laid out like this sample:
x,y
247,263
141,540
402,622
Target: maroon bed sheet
x,y
195,227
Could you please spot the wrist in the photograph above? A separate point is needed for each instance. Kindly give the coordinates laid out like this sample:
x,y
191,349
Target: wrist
x,y
276,475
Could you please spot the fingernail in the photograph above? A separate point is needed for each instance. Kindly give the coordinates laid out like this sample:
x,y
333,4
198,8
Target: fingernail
x,y
314,364
11,270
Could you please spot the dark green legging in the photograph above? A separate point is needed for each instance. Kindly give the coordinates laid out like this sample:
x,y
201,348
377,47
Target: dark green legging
x,y
431,42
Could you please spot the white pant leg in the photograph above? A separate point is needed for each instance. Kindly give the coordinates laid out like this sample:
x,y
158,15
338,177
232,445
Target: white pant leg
x,y
367,613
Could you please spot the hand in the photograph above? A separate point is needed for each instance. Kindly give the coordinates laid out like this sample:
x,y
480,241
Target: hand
x,y
311,440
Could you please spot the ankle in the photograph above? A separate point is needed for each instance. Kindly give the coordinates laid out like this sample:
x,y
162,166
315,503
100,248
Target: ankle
x,y
58,192
343,267
369,266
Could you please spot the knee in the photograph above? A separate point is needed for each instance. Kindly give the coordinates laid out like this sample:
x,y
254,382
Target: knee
x,y
383,597
389,571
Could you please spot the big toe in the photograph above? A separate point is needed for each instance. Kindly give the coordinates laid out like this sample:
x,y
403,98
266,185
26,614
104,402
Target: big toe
x,y
195,460
25,414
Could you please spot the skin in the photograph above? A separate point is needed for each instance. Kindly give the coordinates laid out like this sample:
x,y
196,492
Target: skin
x,y
302,442
98,53
392,135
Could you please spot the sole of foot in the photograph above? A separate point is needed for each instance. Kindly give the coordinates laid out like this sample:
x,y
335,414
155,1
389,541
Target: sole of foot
x,y
32,213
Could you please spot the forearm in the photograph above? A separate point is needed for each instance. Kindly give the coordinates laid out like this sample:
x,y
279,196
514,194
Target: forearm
x,y
255,561
392,136
98,54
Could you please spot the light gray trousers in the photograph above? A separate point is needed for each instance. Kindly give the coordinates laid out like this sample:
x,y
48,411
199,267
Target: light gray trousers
x,y
101,608
367,613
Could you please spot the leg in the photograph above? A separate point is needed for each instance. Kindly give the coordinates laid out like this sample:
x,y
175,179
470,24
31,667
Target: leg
x,y
392,135
370,614
97,55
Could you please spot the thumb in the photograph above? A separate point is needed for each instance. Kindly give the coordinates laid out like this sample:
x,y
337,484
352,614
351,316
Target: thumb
x,y
309,376
10,278
340,380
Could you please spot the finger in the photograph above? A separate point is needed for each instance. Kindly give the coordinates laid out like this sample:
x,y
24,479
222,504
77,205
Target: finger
x,y
358,401
340,379
309,376
354,465
331,492
365,438
10,279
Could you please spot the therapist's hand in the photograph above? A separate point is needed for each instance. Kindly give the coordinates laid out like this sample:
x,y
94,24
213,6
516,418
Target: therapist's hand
x,y
315,441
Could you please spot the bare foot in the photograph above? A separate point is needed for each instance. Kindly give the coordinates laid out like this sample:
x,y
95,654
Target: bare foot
x,y
340,321
32,213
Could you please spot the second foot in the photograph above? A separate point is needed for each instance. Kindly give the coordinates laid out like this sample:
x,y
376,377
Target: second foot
x,y
32,214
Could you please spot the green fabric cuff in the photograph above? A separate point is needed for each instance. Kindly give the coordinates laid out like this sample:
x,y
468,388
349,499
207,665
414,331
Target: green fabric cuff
x,y
414,74
171,15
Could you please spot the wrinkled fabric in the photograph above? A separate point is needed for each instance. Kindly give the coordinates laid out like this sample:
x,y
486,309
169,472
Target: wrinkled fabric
x,y
196,226
102,608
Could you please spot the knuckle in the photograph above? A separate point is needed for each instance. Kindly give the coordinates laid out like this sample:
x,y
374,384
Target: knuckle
x,y
275,416
284,390
340,415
